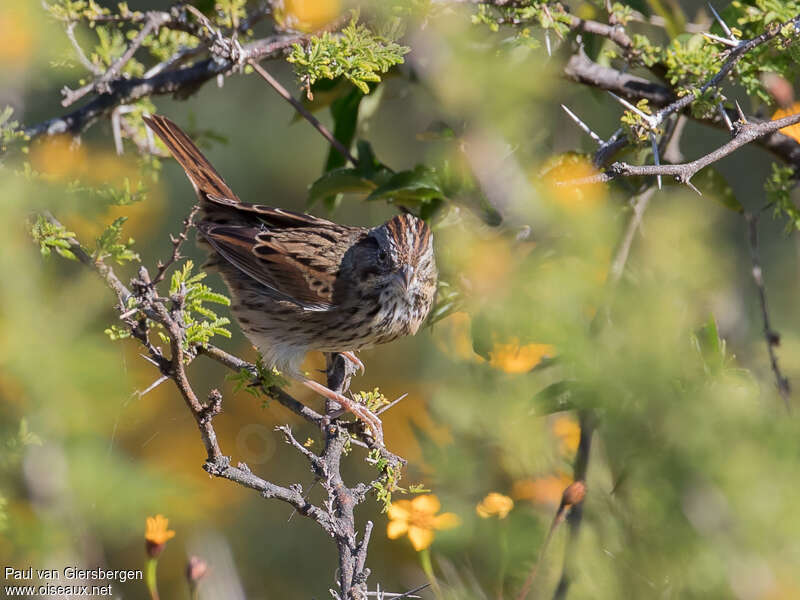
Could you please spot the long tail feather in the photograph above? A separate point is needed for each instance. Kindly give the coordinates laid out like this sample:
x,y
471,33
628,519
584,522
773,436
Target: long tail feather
x,y
204,177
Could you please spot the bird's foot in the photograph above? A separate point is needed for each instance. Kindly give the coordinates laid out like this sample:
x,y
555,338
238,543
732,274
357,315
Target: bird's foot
x,y
351,356
348,404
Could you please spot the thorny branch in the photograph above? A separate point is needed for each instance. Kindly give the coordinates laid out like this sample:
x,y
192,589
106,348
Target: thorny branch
x,y
745,132
336,516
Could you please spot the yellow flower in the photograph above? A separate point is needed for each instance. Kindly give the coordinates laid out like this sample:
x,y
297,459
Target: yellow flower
x,y
569,434
513,358
494,504
156,534
793,131
419,520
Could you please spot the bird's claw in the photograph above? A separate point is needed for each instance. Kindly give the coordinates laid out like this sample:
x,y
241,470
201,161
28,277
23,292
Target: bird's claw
x,y
351,356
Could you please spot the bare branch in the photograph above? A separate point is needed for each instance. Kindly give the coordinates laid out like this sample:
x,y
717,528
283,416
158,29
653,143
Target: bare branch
x,y
89,65
177,242
183,81
154,21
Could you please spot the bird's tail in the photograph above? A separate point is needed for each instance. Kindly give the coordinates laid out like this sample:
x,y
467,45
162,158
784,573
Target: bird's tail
x,y
208,184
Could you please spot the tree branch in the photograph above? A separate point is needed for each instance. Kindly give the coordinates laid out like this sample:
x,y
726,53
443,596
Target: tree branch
x,y
771,337
683,173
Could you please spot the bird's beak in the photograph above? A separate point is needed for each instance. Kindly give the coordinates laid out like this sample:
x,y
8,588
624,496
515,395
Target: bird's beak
x,y
405,276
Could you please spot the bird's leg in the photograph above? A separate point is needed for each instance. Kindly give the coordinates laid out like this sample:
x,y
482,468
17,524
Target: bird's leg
x,y
359,410
351,356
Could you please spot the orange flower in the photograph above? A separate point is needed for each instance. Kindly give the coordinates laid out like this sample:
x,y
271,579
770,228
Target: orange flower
x,y
513,358
306,15
574,197
418,519
157,534
494,504
568,432
793,131
542,490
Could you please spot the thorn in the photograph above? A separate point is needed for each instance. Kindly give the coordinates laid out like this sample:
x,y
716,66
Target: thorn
x,y
742,118
693,188
116,129
390,405
148,359
728,42
154,385
656,158
725,117
722,23
583,126
651,120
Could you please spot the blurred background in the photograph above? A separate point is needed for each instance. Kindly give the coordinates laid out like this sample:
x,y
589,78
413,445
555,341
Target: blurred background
x,y
693,473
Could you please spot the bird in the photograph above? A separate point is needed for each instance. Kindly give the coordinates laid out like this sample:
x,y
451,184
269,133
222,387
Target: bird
x,y
300,283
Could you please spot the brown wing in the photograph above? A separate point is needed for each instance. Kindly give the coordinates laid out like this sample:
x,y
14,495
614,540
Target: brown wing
x,y
296,265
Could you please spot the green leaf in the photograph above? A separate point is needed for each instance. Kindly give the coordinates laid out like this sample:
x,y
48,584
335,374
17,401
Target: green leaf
x,y
710,346
344,111
557,397
419,185
53,237
339,181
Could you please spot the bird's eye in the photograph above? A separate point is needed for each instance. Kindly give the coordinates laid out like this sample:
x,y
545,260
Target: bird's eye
x,y
382,256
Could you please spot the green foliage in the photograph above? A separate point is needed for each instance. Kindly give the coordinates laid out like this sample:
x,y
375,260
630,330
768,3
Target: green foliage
x,y
779,186
201,322
418,185
115,332
53,237
9,130
711,348
230,12
448,300
24,437
690,62
260,382
389,479
645,52
527,12
109,244
373,400
635,125
111,194
354,53
76,10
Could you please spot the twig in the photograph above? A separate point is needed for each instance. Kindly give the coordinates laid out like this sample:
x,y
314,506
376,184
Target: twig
x,y
640,204
237,364
771,337
89,65
177,242
283,93
571,499
154,21
586,420
683,173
